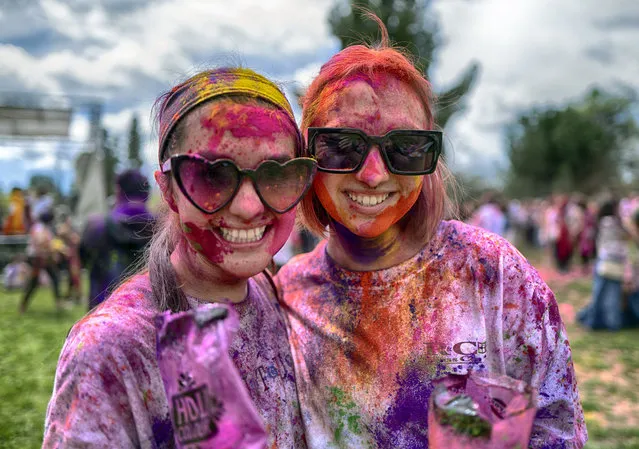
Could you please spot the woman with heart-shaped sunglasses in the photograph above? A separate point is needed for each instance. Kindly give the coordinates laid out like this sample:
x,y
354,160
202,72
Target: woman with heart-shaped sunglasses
x,y
230,176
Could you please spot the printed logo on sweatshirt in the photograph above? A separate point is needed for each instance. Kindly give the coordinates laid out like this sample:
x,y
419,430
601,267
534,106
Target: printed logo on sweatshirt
x,y
461,352
196,413
277,369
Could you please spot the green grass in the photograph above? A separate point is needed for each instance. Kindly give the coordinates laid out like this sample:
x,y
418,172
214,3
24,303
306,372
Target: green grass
x,y
30,346
607,366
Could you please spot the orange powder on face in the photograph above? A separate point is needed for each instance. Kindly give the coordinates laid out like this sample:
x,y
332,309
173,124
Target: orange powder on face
x,y
392,214
377,225
327,201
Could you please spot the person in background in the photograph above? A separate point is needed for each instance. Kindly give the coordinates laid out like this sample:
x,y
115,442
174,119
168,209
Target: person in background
x,y
587,234
516,219
111,244
17,220
628,206
562,239
16,273
490,215
41,202
631,309
71,262
41,256
397,296
605,308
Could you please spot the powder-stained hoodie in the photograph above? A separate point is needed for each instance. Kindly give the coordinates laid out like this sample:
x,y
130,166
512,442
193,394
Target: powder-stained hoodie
x,y
367,345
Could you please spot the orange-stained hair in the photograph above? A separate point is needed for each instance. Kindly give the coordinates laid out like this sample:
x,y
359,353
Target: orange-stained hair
x,y
368,61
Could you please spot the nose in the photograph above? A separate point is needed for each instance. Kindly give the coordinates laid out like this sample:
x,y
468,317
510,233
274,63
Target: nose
x,y
373,171
247,204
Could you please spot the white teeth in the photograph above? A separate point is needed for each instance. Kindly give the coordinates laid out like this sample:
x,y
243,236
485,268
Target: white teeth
x,y
242,235
368,200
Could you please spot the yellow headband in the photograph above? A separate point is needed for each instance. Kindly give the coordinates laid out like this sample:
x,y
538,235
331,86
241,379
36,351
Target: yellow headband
x,y
211,84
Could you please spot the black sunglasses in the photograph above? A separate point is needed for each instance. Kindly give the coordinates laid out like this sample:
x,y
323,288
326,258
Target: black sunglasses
x,y
405,151
211,185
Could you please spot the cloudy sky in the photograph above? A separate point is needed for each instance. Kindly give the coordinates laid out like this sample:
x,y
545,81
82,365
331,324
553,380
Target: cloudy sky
x,y
125,53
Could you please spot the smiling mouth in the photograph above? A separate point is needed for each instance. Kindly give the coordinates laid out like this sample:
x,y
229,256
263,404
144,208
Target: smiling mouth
x,y
243,235
368,200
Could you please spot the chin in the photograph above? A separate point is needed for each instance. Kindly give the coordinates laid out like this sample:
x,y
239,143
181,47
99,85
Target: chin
x,y
244,268
366,230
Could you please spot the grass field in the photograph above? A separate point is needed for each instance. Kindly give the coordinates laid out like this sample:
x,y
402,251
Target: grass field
x,y
607,367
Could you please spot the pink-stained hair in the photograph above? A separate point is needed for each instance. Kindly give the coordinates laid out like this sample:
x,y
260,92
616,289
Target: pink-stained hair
x,y
369,62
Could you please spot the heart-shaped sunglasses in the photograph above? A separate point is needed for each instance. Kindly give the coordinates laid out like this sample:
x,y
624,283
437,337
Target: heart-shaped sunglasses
x,y
211,185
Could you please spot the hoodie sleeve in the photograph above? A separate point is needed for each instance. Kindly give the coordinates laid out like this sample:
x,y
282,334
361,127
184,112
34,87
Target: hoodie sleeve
x,y
536,349
90,407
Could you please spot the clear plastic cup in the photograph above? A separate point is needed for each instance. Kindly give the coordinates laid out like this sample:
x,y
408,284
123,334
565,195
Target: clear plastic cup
x,y
480,411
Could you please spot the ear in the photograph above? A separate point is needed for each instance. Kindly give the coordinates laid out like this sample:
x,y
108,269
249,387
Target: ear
x,y
164,182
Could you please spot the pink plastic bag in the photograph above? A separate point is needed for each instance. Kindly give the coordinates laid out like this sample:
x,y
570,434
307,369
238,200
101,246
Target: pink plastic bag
x,y
208,401
480,412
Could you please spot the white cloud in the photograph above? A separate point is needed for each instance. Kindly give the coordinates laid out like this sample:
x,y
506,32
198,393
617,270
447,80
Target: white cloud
x,y
165,39
9,152
21,71
79,128
305,75
533,52
110,55
65,21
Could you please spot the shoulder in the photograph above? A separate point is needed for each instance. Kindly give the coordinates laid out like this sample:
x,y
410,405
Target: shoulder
x,y
456,235
491,266
481,254
122,325
303,268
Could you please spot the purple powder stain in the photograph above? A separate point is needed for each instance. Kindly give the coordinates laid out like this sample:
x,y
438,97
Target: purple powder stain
x,y
409,414
163,432
490,274
363,250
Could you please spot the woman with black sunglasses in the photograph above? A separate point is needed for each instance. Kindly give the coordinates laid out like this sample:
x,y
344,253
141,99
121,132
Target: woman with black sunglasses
x,y
230,179
396,296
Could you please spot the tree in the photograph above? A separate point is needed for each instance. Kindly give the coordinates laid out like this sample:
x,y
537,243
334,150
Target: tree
x,y
580,147
42,181
134,144
411,26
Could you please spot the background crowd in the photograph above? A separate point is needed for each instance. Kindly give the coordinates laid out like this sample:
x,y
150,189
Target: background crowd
x,y
594,236
57,249
580,235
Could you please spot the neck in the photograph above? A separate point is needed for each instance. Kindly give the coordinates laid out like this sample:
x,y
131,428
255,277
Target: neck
x,y
358,253
200,279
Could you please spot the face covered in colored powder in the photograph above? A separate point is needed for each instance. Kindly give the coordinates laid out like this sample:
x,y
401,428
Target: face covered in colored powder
x,y
372,200
243,236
